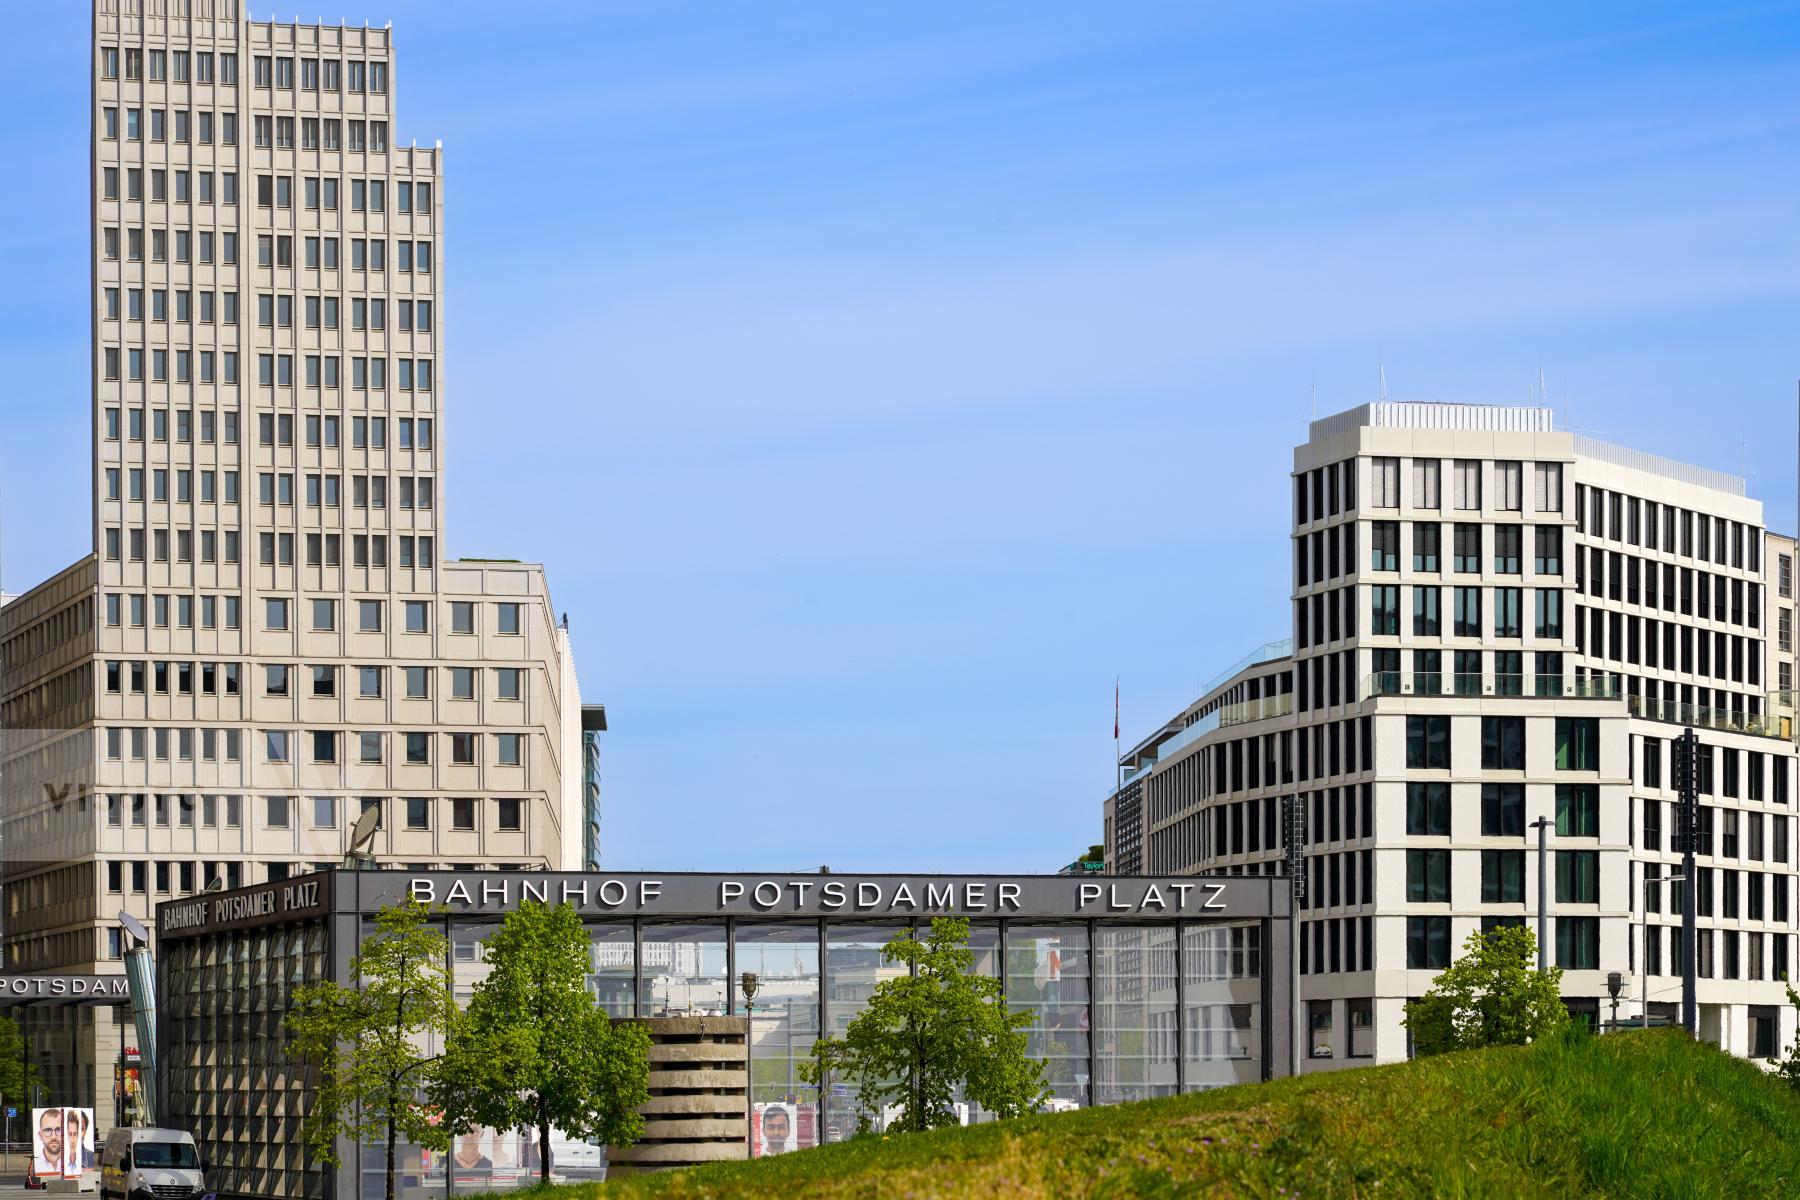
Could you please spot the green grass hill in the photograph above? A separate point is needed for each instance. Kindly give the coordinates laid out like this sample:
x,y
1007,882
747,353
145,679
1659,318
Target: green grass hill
x,y
1632,1114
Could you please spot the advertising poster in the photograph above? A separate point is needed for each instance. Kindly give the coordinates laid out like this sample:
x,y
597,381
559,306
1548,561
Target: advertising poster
x,y
62,1142
782,1127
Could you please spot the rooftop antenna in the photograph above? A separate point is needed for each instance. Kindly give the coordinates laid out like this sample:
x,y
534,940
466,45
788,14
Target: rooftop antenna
x,y
1382,368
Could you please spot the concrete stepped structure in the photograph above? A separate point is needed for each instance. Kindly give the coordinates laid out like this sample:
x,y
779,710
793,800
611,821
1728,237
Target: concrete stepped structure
x,y
698,1096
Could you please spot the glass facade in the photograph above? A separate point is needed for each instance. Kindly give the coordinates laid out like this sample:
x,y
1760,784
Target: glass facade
x,y
1124,1008
227,1074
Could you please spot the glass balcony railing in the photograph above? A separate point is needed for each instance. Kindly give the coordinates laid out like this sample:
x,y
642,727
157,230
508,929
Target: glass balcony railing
x,y
1256,710
1726,720
1437,683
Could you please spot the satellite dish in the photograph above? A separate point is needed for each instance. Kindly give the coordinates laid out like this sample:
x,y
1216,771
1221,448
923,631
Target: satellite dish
x,y
364,830
135,928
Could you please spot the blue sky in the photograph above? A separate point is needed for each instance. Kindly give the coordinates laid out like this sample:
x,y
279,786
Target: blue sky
x,y
879,381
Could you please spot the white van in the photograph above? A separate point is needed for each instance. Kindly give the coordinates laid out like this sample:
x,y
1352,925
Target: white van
x,y
150,1164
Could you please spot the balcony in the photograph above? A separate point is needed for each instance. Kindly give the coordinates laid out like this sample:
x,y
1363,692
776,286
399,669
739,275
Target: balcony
x,y
1438,683
1722,719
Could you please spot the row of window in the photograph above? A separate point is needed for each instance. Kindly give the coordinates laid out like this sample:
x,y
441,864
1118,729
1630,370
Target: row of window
x,y
272,370
1751,966
411,256
1428,810
324,812
1741,895
1326,554
320,193
178,678
327,746
1577,746
1466,491
316,312
320,74
136,484
163,125
171,65
138,544
1577,941
1465,613
1577,875
321,430
1619,518
1668,645
1739,772
1695,593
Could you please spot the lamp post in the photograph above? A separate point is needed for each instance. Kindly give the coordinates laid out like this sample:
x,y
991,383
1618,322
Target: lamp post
x,y
748,982
1615,983
1542,825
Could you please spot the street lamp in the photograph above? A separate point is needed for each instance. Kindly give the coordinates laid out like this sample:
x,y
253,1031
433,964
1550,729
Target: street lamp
x,y
748,982
1615,983
1542,825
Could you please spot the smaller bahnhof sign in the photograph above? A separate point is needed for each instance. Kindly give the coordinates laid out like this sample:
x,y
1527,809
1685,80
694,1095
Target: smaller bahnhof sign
x,y
63,989
1136,986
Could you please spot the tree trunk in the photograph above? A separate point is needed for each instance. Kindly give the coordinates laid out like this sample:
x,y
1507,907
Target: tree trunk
x,y
543,1141
393,1135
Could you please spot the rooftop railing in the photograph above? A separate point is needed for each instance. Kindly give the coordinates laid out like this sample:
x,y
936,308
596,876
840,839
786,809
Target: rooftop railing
x,y
1723,719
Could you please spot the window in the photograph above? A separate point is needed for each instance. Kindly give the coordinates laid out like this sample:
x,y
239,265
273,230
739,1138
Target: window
x,y
1427,943
508,682
1428,876
507,748
1384,614
418,683
508,615
1546,487
1502,810
1425,473
1428,743
1577,876
1577,810
1548,560
1578,943
1502,876
1577,744
275,812
369,615
1503,743
462,616
508,815
369,682
1425,546
418,749
418,616
275,614
1425,618
462,749
462,683
1384,483
324,814
1506,612
1507,539
1384,545
1466,611
1509,486
1468,549
418,812
1466,482
1548,614
462,813
1428,809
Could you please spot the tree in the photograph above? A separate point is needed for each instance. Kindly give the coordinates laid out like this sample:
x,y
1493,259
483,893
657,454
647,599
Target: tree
x,y
1789,1067
925,1032
535,1049
1493,995
15,1072
369,1042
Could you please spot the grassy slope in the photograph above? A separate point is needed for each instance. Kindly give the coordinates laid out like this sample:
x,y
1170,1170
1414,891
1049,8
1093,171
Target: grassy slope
x,y
1633,1114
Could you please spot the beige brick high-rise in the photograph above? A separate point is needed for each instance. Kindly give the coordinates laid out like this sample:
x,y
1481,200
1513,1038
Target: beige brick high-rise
x,y
267,635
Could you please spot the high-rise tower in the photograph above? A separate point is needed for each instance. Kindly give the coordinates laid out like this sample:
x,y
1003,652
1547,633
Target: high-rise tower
x,y
268,637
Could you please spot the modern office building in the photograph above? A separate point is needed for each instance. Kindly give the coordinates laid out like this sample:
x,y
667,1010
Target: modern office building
x,y
1495,622
267,636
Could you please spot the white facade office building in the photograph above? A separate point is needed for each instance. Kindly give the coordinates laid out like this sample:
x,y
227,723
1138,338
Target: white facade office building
x,y
1495,622
268,635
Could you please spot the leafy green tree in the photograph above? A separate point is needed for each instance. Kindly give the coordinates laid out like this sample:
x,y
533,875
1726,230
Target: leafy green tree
x,y
1789,1067
369,1041
925,1032
1493,995
16,1076
535,1049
